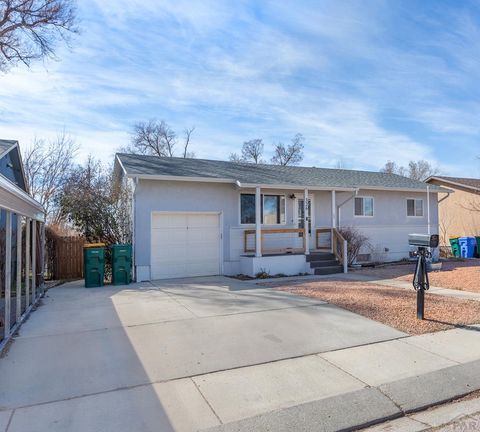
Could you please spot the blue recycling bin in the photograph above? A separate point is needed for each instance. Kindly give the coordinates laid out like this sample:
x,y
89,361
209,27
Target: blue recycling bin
x,y
467,246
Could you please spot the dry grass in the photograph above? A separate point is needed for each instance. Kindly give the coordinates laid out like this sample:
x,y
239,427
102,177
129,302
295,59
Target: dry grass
x,y
460,275
395,307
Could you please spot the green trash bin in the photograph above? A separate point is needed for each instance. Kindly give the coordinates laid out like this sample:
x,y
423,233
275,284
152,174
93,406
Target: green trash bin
x,y
94,265
455,246
121,264
478,246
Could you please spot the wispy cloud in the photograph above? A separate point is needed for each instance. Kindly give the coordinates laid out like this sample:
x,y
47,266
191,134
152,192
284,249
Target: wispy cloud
x,y
365,81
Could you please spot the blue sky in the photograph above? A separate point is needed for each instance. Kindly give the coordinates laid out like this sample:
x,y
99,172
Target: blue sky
x,y
363,81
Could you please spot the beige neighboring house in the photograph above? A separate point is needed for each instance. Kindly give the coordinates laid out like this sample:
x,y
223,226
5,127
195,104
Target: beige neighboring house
x,y
459,212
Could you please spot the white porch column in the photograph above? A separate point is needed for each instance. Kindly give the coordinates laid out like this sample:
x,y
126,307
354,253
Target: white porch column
x,y
334,215
19,267
34,260
8,271
258,222
27,262
306,235
334,210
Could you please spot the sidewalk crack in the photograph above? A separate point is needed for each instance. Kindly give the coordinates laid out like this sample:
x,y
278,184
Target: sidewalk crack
x,y
206,400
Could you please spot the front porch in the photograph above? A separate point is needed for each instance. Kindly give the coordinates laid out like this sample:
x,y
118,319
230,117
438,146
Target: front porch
x,y
294,244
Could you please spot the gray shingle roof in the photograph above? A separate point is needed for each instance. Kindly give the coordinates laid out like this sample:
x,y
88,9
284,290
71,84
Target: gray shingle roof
x,y
139,165
6,144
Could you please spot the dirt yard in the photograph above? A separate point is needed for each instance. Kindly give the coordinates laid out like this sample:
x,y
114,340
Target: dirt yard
x,y
395,307
461,275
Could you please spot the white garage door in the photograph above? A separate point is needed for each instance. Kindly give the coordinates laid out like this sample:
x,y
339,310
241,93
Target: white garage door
x,y
185,245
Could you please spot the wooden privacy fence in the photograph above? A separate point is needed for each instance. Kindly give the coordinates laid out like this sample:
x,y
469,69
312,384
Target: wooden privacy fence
x,y
65,256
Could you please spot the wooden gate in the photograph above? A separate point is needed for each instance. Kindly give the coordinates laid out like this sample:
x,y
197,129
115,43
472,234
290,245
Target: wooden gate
x,y
65,257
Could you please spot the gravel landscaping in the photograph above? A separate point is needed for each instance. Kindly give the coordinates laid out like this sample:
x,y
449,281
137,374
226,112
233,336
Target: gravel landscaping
x,y
395,307
461,275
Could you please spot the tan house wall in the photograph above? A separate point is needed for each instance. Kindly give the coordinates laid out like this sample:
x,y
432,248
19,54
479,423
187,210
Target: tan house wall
x,y
457,214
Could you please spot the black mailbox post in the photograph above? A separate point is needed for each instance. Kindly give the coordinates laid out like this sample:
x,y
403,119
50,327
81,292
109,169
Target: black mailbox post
x,y
420,279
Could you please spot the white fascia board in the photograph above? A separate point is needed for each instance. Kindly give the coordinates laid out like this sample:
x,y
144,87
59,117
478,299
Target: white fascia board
x,y
293,187
473,188
181,178
37,212
381,188
121,165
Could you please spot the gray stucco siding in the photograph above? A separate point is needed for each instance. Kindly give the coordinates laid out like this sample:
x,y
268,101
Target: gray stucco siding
x,y
388,228
155,195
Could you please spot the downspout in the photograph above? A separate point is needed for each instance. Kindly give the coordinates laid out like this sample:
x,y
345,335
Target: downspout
x,y
344,202
134,268
428,209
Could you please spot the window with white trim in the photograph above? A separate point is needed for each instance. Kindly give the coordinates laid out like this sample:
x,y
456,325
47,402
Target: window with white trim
x,y
363,206
272,211
415,207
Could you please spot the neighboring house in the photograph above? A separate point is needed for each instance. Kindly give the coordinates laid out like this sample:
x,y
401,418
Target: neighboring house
x,y
459,212
204,217
18,210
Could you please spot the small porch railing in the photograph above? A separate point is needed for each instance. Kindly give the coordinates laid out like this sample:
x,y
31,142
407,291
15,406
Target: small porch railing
x,y
282,233
331,239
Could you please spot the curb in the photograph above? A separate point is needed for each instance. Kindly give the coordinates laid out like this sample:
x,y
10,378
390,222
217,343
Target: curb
x,y
367,407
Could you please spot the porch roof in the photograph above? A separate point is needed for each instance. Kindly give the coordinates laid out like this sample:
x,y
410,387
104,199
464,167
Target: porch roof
x,y
246,174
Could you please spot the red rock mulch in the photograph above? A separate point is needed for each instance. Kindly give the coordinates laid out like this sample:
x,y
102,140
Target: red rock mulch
x,y
395,307
460,275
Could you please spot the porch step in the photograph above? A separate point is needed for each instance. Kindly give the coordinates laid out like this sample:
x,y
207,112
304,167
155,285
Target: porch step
x,y
328,270
320,256
323,263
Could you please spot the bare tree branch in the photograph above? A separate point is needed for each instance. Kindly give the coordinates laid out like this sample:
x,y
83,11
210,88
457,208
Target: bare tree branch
x,y
291,154
188,133
47,167
30,29
157,138
417,170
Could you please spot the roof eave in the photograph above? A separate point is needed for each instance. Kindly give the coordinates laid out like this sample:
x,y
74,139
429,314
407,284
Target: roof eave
x,y
440,179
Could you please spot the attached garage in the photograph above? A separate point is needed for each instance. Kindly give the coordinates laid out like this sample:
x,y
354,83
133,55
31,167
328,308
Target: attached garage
x,y
185,245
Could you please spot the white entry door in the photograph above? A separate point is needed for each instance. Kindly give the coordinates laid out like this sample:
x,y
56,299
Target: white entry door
x,y
300,217
185,245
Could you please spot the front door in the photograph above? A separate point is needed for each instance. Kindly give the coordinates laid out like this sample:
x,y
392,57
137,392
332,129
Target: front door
x,y
300,216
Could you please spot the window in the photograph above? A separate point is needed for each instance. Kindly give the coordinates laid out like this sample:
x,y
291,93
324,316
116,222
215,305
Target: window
x,y
363,206
273,209
272,212
415,207
247,208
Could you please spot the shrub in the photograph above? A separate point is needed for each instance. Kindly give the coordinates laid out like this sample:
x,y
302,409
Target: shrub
x,y
355,241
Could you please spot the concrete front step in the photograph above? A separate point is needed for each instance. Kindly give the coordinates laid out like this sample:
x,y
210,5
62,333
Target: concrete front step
x,y
323,263
320,256
328,270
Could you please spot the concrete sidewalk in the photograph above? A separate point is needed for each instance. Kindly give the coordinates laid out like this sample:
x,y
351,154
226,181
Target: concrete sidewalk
x,y
463,295
219,354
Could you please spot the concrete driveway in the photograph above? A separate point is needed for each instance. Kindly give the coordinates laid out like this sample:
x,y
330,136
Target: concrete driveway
x,y
173,355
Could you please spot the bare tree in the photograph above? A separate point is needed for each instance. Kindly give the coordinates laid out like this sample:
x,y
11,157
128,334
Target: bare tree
x,y
392,167
188,133
341,163
291,154
157,138
94,205
252,151
47,168
30,29
417,170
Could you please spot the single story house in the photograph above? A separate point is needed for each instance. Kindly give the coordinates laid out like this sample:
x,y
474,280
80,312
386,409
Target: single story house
x,y
193,217
459,213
